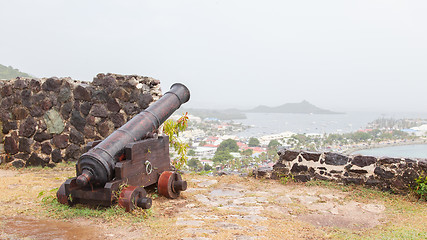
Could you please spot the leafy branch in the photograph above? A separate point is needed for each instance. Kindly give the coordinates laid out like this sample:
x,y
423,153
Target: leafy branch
x,y
172,129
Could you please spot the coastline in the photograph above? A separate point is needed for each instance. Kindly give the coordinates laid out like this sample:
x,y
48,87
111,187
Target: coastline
x,y
403,142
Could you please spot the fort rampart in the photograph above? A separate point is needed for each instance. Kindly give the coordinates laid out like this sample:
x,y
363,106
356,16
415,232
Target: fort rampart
x,y
46,121
389,174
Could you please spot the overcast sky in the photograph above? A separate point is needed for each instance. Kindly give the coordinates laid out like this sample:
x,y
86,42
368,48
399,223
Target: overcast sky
x,y
341,55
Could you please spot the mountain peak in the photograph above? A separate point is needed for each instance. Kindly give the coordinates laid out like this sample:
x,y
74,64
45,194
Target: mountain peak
x,y
302,107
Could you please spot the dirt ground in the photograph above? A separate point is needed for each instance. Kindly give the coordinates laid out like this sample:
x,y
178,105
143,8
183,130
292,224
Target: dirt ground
x,y
226,207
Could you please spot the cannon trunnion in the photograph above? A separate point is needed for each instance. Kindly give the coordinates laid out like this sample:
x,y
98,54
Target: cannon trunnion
x,y
119,168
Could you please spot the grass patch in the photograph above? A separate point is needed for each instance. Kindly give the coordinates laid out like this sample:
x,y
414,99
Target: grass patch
x,y
54,209
390,233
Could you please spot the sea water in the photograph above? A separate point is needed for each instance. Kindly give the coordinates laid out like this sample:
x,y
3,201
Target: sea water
x,y
407,151
274,123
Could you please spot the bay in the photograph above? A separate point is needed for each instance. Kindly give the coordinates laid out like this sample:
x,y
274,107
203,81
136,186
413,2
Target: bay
x,y
407,151
274,123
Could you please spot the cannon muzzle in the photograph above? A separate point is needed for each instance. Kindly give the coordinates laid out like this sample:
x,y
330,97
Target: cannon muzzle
x,y
97,165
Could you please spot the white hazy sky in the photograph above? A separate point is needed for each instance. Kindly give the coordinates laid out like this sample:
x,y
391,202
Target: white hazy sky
x,y
340,55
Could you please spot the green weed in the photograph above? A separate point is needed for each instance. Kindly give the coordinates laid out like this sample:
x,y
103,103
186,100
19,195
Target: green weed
x,y
114,213
421,187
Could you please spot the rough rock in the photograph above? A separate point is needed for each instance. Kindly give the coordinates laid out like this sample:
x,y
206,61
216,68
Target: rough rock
x,y
99,110
118,119
8,126
18,163
76,136
60,141
105,128
54,122
56,156
335,159
35,160
112,105
28,127
64,94
363,161
19,113
42,136
10,145
24,145
85,108
77,121
81,93
72,153
46,148
51,84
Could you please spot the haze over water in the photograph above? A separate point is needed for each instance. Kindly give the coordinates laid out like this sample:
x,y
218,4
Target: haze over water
x,y
274,123
408,151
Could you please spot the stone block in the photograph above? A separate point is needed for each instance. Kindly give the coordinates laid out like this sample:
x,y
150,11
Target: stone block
x,y
145,100
56,156
302,178
77,121
298,168
288,155
72,153
24,145
85,108
82,93
28,127
52,84
76,136
64,94
20,84
311,156
6,91
42,136
46,148
363,161
35,160
8,126
35,85
99,110
19,113
383,173
54,122
130,108
18,163
60,141
388,160
105,128
335,159
66,109
112,105
121,94
10,145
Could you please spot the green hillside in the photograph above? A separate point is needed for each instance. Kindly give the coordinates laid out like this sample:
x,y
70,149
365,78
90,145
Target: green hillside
x,y
10,73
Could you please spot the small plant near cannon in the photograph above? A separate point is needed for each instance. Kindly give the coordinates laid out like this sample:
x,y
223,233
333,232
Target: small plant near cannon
x,y
135,156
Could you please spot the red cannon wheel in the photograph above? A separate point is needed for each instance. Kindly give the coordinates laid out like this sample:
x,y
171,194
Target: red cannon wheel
x,y
62,197
132,197
170,184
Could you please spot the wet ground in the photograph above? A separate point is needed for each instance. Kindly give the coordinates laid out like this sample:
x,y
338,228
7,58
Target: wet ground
x,y
227,207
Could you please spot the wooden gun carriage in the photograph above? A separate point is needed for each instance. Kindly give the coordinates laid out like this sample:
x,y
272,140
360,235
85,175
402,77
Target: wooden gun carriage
x,y
120,167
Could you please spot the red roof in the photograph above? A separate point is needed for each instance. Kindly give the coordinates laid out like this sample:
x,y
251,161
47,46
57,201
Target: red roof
x,y
210,145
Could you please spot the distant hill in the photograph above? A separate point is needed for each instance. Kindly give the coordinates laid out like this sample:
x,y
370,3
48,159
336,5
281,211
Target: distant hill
x,y
302,107
10,73
226,114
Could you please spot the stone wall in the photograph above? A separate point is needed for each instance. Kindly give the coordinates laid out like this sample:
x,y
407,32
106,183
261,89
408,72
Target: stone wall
x,y
389,174
46,121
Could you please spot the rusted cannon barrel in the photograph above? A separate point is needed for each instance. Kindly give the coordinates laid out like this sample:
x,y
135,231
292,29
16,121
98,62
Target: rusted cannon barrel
x,y
97,165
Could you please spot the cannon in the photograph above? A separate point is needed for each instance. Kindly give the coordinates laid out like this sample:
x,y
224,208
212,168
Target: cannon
x,y
132,158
